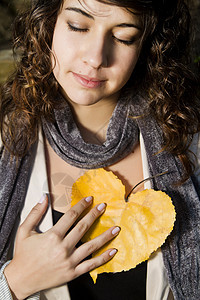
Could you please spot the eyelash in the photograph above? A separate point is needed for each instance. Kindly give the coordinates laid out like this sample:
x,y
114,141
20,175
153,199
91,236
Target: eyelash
x,y
127,43
82,30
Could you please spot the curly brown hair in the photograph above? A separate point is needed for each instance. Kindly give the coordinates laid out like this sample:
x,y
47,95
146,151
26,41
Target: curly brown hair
x,y
161,72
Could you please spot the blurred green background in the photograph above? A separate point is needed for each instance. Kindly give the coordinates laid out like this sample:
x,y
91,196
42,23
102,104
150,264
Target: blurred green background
x,y
9,9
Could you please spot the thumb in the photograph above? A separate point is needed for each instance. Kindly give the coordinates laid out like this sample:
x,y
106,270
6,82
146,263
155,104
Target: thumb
x,y
35,215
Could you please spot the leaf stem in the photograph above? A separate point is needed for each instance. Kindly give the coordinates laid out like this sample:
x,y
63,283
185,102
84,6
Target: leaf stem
x,y
149,178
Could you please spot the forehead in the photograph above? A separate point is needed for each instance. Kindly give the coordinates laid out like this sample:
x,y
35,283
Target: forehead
x,y
99,9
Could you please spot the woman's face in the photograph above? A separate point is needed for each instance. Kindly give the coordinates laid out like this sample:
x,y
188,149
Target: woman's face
x,y
96,47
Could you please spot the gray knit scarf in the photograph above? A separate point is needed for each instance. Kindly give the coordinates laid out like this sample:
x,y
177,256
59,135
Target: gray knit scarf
x,y
65,138
181,251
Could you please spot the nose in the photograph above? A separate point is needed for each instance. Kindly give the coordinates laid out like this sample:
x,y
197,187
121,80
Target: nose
x,y
96,52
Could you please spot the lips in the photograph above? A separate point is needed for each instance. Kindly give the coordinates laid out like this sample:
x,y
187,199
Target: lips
x,y
88,82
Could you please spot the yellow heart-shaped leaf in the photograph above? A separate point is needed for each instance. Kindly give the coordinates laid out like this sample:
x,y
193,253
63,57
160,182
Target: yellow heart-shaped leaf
x,y
145,221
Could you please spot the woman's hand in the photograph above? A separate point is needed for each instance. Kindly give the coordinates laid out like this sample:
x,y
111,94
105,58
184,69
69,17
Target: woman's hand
x,y
46,260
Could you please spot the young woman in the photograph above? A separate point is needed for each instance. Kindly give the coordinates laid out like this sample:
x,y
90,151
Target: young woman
x,y
97,84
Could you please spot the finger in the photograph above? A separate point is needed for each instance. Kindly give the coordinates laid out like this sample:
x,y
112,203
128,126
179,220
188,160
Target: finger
x,y
83,225
92,246
70,217
34,217
93,263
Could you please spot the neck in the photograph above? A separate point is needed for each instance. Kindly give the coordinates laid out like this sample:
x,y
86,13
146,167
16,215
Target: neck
x,y
93,120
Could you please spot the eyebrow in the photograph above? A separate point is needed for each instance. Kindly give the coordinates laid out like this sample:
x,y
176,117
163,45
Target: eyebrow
x,y
129,25
82,12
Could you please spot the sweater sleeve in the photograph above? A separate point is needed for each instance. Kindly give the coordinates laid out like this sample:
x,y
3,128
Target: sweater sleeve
x,y
4,288
5,293
195,148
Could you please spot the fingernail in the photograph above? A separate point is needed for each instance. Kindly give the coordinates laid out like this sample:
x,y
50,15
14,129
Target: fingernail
x,y
42,198
88,199
116,230
101,206
113,252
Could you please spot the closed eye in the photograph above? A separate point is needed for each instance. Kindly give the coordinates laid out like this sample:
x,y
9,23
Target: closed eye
x,y
77,29
125,42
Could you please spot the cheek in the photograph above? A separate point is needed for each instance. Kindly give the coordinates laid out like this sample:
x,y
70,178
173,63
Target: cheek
x,y
129,61
63,47
62,57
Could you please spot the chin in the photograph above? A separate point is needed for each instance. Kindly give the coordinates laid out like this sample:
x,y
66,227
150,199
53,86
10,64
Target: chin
x,y
83,98
84,102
